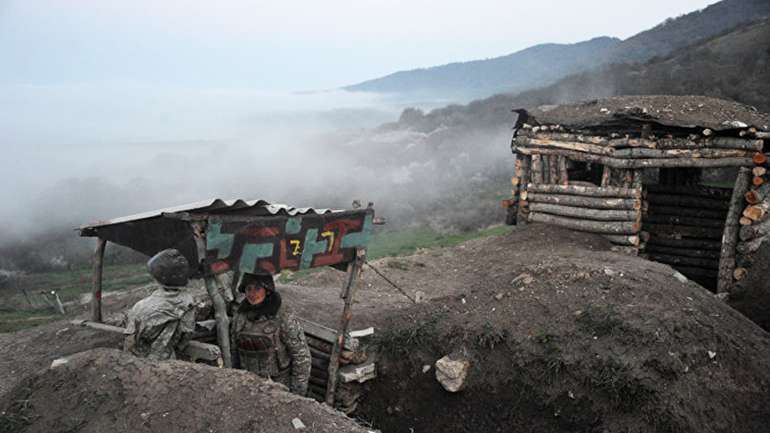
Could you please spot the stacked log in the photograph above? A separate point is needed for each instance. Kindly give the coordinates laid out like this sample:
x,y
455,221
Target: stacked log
x,y
686,224
356,367
754,224
614,212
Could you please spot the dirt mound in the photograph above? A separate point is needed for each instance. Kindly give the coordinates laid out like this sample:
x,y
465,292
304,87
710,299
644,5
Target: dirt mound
x,y
107,390
563,335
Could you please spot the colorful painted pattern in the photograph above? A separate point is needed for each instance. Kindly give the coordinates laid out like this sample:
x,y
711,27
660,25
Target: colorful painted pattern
x,y
271,244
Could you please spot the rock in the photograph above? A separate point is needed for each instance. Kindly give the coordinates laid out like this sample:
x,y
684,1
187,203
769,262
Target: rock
x,y
681,278
298,424
712,355
499,296
452,371
425,368
59,362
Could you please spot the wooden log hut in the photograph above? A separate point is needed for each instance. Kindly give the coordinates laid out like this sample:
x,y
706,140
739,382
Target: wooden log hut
x,y
218,236
634,169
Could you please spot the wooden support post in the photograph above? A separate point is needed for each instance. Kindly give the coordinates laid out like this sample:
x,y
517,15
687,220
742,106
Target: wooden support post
x,y
96,298
563,173
730,236
522,212
537,169
606,176
546,168
348,291
220,308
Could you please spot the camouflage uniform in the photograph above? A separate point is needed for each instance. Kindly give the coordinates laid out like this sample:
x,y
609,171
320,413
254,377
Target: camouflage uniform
x,y
161,323
272,346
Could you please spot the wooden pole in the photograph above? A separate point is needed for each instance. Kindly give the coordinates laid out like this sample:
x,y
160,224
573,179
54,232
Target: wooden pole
x,y
730,236
563,173
348,291
537,169
220,308
96,298
522,211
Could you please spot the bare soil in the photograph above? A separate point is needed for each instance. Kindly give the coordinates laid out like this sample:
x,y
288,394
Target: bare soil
x,y
106,390
563,335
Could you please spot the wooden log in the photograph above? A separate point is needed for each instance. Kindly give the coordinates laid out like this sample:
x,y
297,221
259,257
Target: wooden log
x,y
689,212
586,202
319,354
606,176
745,221
633,142
712,142
759,158
694,272
685,221
691,191
761,228
749,247
96,294
685,201
526,174
602,227
758,180
639,153
643,163
684,231
566,137
318,344
759,171
657,240
684,252
684,260
553,168
567,145
546,168
624,240
739,274
323,333
537,169
755,196
585,213
319,364
588,191
563,172
348,291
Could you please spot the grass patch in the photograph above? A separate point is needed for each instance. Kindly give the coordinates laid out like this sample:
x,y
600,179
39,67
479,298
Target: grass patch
x,y
16,320
407,241
616,381
400,340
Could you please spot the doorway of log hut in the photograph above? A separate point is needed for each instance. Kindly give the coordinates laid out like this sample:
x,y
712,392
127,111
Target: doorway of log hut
x,y
685,220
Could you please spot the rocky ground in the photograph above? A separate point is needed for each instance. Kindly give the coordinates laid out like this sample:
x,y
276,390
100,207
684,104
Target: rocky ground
x,y
560,334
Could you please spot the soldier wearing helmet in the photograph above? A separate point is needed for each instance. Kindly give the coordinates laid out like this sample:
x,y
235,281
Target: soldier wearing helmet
x,y
161,324
266,338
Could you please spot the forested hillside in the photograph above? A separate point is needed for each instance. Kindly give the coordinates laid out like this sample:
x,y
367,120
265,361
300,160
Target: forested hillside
x,y
545,64
734,65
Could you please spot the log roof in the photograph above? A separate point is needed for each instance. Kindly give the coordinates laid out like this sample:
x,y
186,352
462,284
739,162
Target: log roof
x,y
689,112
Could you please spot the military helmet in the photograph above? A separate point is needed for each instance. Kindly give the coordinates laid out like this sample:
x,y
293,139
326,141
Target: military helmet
x,y
169,267
260,280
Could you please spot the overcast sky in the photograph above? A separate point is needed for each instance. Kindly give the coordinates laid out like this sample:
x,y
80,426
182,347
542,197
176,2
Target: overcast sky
x,y
289,45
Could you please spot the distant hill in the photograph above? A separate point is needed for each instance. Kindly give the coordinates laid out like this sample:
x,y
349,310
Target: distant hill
x,y
676,33
734,65
542,65
535,66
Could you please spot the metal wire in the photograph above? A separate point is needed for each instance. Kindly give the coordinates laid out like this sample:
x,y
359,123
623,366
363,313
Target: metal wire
x,y
377,271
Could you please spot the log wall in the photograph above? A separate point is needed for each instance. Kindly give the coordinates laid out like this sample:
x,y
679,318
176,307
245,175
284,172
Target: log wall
x,y
753,224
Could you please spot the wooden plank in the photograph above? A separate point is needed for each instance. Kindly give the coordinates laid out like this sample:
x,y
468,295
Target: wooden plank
x,y
326,334
588,191
586,202
585,213
602,227
96,294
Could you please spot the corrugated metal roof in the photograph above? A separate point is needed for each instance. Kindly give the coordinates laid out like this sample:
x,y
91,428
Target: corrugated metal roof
x,y
214,206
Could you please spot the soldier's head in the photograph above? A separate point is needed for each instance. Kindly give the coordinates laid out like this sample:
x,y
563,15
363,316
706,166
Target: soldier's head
x,y
257,287
170,268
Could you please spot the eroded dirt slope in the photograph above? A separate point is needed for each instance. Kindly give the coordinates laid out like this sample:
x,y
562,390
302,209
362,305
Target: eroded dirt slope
x,y
105,390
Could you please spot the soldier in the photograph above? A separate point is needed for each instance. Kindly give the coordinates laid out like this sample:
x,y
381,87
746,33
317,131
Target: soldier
x,y
267,339
163,322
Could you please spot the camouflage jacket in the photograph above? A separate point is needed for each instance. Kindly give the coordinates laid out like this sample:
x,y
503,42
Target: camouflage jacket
x,y
272,346
160,324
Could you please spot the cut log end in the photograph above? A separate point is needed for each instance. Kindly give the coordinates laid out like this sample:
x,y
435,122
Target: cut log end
x,y
740,273
759,158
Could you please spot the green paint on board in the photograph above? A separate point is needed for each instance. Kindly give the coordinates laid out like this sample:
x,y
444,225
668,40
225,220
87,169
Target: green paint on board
x,y
293,225
311,247
216,240
359,239
251,253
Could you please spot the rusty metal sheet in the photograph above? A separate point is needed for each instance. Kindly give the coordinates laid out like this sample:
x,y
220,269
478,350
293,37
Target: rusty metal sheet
x,y
272,244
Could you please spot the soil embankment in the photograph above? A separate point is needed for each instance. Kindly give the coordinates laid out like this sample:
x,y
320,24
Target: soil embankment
x,y
562,335
104,390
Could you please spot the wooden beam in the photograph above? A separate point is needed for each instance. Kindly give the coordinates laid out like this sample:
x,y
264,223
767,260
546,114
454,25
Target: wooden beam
x,y
601,227
586,202
96,298
588,191
348,292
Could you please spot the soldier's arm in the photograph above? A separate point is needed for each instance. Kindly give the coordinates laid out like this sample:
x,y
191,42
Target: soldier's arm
x,y
186,329
293,336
